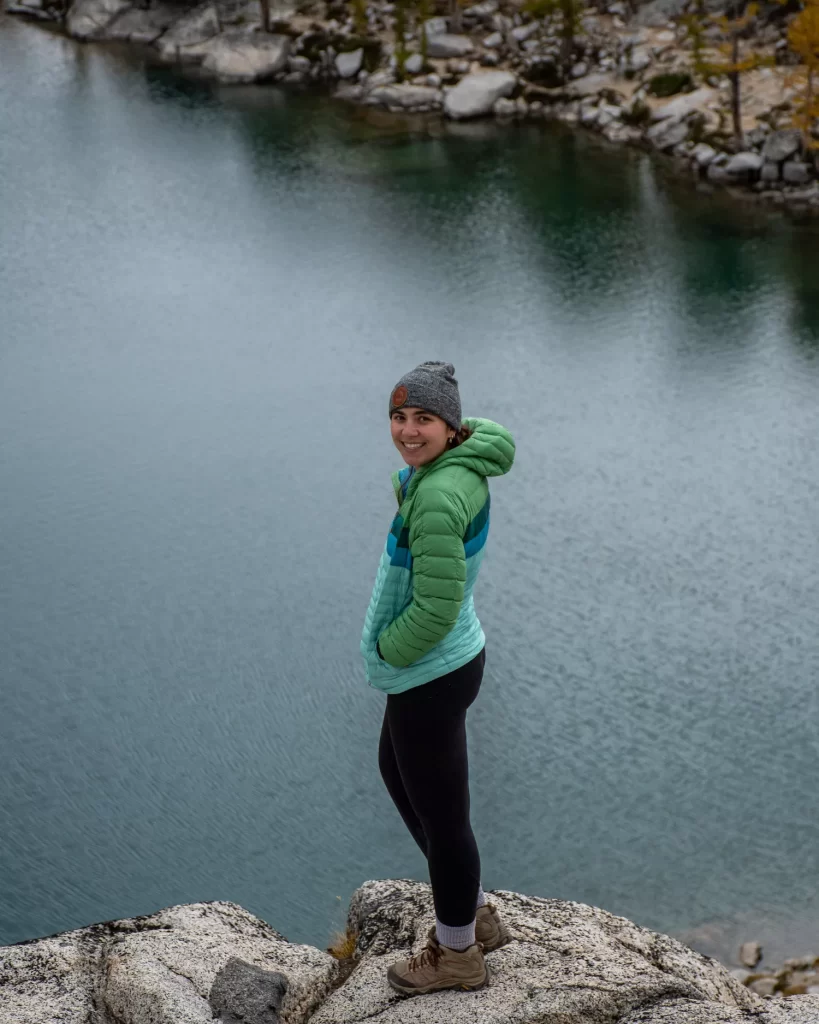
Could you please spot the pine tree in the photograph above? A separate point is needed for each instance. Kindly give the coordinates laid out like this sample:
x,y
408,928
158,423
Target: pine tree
x,y
803,36
737,58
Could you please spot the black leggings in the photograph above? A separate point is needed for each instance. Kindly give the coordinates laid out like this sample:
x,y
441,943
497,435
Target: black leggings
x,y
422,757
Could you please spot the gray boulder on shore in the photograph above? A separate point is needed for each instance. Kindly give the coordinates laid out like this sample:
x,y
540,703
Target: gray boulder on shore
x,y
88,19
241,57
568,963
192,29
446,45
476,94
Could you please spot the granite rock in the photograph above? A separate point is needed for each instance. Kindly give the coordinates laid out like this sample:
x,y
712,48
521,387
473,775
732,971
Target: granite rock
x,y
475,95
567,964
241,57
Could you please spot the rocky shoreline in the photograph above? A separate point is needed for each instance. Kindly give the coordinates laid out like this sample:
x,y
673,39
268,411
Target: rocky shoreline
x,y
503,62
567,963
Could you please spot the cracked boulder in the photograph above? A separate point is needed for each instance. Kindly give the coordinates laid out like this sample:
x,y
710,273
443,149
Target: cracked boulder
x,y
159,969
567,964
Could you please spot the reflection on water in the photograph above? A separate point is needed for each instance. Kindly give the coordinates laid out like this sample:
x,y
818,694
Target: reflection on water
x,y
205,292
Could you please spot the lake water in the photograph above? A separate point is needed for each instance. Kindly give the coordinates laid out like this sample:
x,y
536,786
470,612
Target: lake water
x,y
207,296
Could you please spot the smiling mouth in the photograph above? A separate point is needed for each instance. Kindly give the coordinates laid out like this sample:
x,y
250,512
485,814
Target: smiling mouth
x,y
413,446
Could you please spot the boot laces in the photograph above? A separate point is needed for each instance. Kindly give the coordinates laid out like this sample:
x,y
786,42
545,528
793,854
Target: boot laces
x,y
430,954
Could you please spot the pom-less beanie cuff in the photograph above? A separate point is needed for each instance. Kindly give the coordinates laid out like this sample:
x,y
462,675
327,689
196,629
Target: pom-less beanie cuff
x,y
431,386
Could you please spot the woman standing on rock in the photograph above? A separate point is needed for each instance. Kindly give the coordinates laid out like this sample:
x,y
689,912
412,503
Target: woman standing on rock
x,y
424,647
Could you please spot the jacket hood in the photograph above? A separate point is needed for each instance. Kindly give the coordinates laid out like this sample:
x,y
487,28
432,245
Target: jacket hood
x,y
490,451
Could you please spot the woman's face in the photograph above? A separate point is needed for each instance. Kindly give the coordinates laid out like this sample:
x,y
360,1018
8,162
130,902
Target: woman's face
x,y
419,435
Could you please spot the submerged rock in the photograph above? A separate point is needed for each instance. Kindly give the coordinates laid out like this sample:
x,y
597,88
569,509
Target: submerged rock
x,y
476,94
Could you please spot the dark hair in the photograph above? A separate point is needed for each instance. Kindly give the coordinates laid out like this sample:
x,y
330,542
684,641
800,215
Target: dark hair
x,y
463,435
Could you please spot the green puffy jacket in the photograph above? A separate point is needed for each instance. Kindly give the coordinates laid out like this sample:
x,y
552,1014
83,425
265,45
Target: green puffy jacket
x,y
421,614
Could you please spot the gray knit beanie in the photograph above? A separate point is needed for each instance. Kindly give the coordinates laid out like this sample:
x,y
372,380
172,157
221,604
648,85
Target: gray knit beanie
x,y
431,386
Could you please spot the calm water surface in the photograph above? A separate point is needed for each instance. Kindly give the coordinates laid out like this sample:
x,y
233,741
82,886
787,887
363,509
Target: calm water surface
x,y
206,298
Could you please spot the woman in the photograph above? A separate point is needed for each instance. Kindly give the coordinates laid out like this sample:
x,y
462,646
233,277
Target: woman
x,y
424,647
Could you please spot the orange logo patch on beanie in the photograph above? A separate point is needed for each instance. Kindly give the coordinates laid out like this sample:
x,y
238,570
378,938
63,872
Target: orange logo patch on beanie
x,y
399,396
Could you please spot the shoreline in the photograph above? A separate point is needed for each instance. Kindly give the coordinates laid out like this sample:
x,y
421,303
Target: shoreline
x,y
502,65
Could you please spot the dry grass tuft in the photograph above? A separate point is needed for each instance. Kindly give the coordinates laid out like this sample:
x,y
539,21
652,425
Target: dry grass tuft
x,y
343,946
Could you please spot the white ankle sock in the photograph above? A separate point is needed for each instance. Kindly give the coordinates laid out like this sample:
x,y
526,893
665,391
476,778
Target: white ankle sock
x,y
460,938
482,900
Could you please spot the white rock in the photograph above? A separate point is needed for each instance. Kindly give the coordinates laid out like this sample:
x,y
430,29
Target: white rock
x,y
579,70
434,81
197,26
435,27
703,154
504,108
349,64
482,11
588,115
404,97
298,64
665,135
414,64
744,165
138,26
769,173
608,113
239,57
639,60
380,78
494,41
591,85
446,45
88,19
796,173
682,106
476,94
782,144
523,32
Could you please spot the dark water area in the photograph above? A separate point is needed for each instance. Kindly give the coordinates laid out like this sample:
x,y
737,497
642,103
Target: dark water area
x,y
207,296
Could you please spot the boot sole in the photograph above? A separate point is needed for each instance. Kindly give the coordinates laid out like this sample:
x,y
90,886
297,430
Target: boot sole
x,y
460,986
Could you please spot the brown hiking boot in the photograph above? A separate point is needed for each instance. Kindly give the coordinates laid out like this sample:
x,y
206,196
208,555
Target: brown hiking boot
x,y
490,931
438,967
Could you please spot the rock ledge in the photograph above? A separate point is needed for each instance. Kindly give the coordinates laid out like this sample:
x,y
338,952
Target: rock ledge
x,y
567,964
